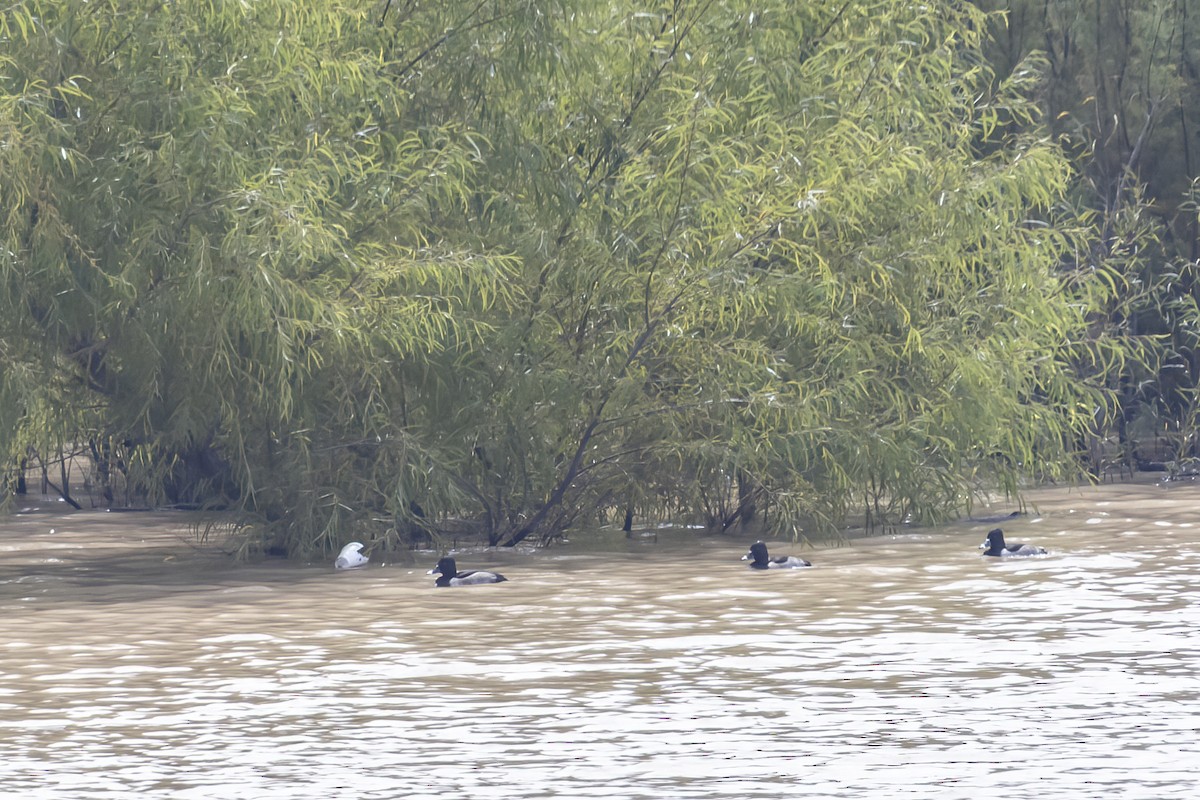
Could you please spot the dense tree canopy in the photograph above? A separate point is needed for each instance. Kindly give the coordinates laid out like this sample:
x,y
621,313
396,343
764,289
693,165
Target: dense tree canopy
x,y
1122,94
353,268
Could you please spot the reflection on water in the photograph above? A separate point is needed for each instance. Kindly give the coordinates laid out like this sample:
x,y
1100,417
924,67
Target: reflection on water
x,y
908,666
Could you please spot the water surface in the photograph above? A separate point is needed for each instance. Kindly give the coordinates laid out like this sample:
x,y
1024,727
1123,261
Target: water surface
x,y
133,663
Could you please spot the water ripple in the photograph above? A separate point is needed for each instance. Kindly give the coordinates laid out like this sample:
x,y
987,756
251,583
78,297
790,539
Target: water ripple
x,y
900,667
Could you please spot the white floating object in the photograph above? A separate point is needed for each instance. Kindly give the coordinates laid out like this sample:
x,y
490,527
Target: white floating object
x,y
351,557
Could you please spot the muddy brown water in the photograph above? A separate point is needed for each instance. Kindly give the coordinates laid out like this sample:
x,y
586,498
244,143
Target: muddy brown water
x,y
133,664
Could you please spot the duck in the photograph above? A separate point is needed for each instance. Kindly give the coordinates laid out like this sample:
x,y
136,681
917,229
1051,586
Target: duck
x,y
450,576
759,559
994,546
351,557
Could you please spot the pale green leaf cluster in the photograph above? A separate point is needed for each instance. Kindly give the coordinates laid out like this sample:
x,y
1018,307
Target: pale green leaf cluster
x,y
792,247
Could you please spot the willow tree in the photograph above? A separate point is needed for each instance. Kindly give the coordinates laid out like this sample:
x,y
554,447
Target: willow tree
x,y
351,266
797,255
1121,92
220,238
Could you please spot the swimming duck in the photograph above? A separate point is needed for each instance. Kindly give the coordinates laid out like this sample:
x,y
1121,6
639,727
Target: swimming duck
x,y
995,546
351,557
759,559
450,576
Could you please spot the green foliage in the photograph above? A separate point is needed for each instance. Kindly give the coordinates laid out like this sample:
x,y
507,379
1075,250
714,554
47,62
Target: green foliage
x,y
1121,95
365,265
221,228
764,241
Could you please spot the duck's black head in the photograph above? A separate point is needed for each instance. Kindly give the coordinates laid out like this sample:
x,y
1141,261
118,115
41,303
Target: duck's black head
x,y
445,567
994,542
758,554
